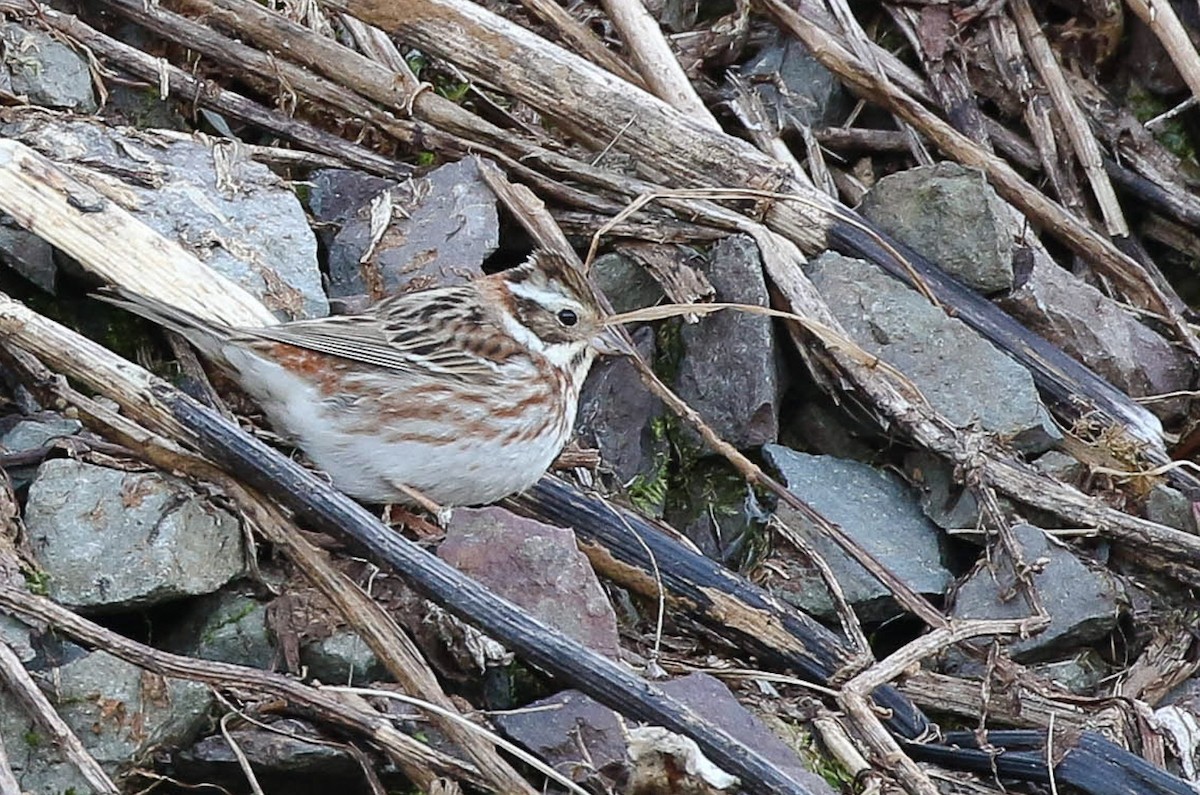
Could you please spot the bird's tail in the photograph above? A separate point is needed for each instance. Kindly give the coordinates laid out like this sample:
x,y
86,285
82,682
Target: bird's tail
x,y
207,335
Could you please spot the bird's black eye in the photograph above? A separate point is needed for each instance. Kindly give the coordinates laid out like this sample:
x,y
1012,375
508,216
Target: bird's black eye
x,y
567,317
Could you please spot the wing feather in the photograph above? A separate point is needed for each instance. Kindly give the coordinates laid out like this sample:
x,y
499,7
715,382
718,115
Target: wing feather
x,y
399,335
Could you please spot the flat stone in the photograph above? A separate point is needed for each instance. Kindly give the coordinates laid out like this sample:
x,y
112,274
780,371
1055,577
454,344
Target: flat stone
x,y
32,434
234,214
875,508
947,502
794,86
576,734
710,698
1101,333
44,70
111,540
1082,601
964,378
536,566
627,284
437,231
120,713
342,658
619,416
28,255
729,368
338,194
1171,507
289,746
587,741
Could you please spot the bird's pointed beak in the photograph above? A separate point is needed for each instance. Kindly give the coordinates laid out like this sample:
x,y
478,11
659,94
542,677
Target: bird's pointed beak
x,y
609,343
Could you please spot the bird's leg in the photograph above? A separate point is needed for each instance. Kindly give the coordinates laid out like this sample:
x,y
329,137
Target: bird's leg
x,y
441,513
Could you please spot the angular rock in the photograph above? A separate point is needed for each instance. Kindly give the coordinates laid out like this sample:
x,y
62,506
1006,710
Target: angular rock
x,y
44,70
27,434
627,284
1081,674
948,503
35,432
290,746
879,511
535,566
227,627
232,213
342,658
27,254
1098,331
1083,603
585,739
338,194
620,417
794,86
962,376
1171,507
577,735
709,696
729,368
119,711
951,215
112,540
1061,466
436,230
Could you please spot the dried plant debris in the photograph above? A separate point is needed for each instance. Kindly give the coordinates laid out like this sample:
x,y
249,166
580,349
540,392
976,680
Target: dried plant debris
x,y
945,407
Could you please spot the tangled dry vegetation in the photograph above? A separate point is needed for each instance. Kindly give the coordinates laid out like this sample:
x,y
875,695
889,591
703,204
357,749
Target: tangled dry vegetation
x,y
597,128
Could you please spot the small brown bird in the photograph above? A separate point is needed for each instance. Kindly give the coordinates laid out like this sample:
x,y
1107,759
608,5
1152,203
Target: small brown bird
x,y
465,394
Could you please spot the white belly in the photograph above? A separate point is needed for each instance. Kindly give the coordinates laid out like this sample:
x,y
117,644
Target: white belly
x,y
369,457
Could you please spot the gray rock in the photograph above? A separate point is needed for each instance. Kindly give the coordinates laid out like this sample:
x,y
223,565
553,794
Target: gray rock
x,y
879,511
227,627
234,214
627,284
1101,333
536,566
709,697
27,254
342,658
1060,466
579,736
48,72
110,540
338,194
119,711
439,231
14,633
962,376
620,417
1081,674
1171,507
951,215
729,368
31,434
1083,603
794,86
290,746
948,503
